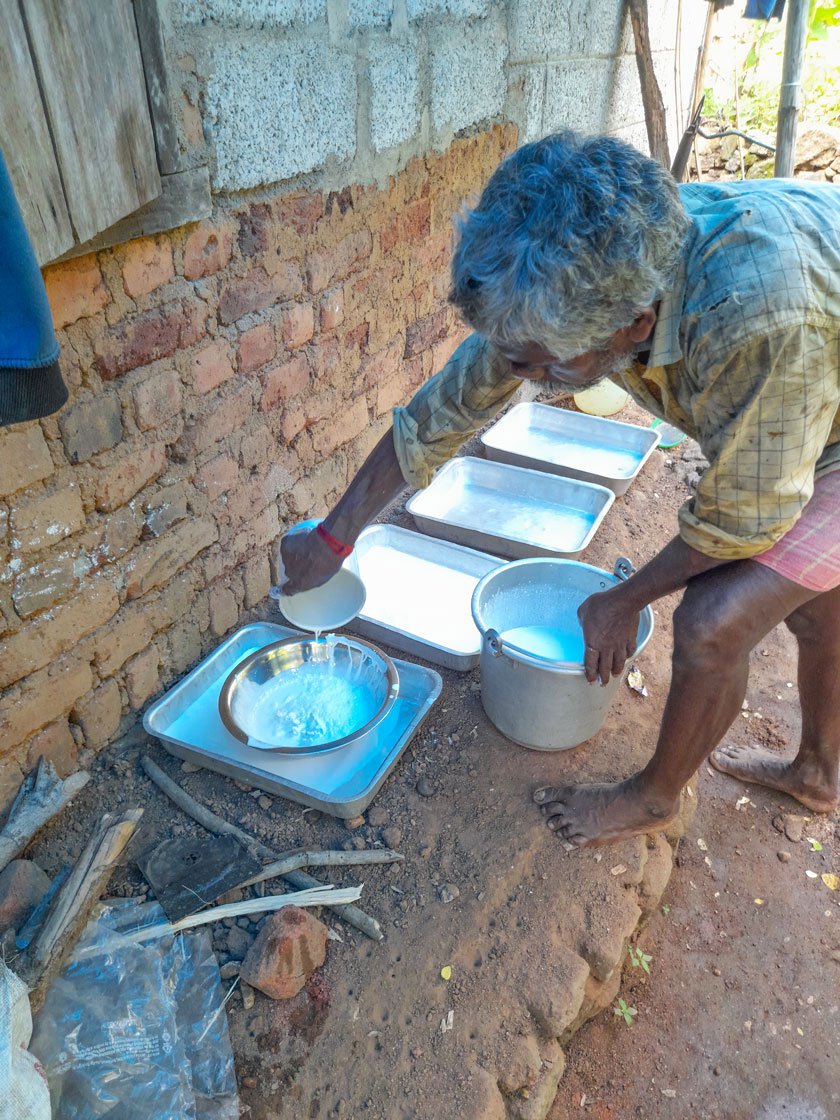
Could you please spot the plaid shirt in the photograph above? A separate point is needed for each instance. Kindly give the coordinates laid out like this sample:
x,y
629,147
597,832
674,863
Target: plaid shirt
x,y
745,358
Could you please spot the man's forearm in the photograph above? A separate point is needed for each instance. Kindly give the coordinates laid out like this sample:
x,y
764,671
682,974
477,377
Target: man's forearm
x,y
378,482
668,571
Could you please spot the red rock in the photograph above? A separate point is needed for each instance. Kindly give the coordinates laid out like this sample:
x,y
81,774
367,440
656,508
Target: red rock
x,y
290,946
22,886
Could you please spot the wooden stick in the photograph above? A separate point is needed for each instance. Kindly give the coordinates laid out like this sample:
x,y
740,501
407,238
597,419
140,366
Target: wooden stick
x,y
352,915
40,797
652,102
356,918
205,817
74,901
295,860
790,97
323,896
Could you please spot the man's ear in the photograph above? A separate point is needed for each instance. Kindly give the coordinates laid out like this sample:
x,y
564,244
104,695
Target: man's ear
x,y
642,326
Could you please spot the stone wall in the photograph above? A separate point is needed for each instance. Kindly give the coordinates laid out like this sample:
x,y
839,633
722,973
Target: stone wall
x,y
228,378
226,381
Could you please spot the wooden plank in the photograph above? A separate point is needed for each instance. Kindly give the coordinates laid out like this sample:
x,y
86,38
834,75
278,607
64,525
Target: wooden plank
x,y
185,197
147,15
91,73
26,142
651,94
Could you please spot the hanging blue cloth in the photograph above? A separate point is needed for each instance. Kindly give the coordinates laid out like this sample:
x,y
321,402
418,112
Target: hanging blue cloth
x,y
30,379
764,9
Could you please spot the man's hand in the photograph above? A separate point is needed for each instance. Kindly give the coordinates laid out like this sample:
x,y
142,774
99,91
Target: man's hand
x,y
308,561
609,634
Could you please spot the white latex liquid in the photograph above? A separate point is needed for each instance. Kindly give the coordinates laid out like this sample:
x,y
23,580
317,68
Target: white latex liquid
x,y
610,462
547,641
420,598
324,608
317,702
549,526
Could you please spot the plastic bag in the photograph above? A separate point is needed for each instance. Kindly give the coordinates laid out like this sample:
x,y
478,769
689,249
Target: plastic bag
x,y
138,1029
24,1094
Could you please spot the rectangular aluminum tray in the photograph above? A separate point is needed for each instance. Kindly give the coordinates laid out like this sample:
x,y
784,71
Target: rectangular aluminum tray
x,y
590,448
419,592
341,782
510,511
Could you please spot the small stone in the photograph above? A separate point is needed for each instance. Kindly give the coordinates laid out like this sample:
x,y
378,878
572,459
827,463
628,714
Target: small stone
x,y
248,996
392,836
835,956
239,942
229,922
778,822
358,843
354,822
715,972
377,818
243,786
250,1082
229,970
189,768
425,851
794,827
290,946
716,1071
265,802
425,787
448,892
22,886
783,857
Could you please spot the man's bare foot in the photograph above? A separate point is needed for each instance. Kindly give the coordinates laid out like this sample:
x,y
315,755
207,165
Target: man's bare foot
x,y
760,767
602,814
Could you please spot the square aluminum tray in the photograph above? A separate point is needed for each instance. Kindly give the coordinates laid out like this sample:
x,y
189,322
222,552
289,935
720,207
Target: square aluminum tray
x,y
419,592
590,448
342,782
510,511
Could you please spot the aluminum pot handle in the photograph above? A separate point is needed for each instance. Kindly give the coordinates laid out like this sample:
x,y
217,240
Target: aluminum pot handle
x,y
498,648
494,642
624,568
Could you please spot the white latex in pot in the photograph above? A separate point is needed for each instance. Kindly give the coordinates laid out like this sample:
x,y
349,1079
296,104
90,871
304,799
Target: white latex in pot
x,y
538,701
328,607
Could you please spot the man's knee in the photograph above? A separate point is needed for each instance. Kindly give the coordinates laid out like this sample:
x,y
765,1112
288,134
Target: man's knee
x,y
710,625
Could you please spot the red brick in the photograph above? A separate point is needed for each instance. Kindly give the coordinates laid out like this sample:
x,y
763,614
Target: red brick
x,y
256,347
57,745
157,400
392,393
44,697
50,635
290,945
49,581
415,222
293,422
175,599
208,250
257,447
332,309
117,484
211,366
220,419
423,334
257,579
217,477
98,714
224,613
147,265
301,212
378,368
255,229
286,278
283,382
356,338
326,267
298,325
24,458
331,434
149,336
114,536
130,632
91,425
160,560
75,290
242,297
48,519
389,235
142,676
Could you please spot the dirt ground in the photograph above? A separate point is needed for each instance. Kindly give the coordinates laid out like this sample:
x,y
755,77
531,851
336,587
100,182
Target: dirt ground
x,y
536,935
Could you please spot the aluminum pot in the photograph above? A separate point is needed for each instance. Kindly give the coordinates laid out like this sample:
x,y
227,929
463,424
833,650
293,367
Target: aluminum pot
x,y
541,701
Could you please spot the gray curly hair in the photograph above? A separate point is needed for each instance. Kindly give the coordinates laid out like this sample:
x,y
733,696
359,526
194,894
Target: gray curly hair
x,y
571,239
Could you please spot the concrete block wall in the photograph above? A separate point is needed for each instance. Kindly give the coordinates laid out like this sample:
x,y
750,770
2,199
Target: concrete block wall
x,y
350,90
226,381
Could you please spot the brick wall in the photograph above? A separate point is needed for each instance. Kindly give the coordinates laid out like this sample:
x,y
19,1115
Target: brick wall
x,y
226,380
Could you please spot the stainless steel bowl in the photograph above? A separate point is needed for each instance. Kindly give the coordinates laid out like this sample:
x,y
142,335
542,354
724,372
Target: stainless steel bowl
x,y
261,668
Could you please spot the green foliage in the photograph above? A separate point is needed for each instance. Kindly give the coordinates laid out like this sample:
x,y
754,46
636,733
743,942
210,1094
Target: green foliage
x,y
624,1012
639,959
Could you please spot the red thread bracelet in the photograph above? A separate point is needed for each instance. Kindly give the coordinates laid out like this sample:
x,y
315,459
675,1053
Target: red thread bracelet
x,y
337,547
